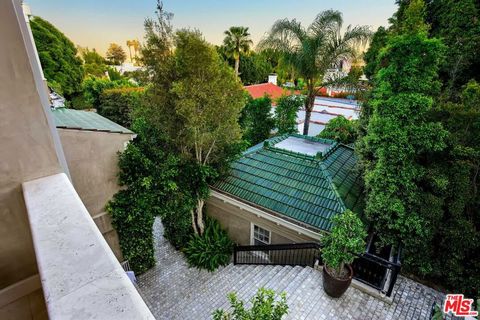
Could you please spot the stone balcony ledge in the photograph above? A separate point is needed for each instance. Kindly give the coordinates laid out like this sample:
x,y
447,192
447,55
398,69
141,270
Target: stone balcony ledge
x,y
80,276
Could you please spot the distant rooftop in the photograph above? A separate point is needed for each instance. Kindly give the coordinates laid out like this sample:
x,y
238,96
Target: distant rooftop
x,y
269,89
84,120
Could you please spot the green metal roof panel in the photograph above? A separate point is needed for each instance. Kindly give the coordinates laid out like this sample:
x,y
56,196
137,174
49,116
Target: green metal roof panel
x,y
85,120
341,165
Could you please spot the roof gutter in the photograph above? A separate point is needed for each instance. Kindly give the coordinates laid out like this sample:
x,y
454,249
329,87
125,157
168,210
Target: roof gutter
x,y
309,232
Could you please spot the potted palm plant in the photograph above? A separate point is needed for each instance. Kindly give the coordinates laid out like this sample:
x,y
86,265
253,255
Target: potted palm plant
x,y
346,239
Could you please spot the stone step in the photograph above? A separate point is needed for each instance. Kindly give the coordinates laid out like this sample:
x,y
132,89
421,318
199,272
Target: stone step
x,y
317,300
217,287
295,282
218,298
283,282
192,292
307,295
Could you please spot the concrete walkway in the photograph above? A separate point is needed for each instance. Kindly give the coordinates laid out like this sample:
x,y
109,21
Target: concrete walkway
x,y
172,290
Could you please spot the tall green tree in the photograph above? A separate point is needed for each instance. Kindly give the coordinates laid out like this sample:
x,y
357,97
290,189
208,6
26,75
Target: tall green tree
x,y
286,113
58,56
115,54
313,50
196,100
149,175
340,129
459,167
379,40
254,68
400,137
457,23
94,64
257,121
237,41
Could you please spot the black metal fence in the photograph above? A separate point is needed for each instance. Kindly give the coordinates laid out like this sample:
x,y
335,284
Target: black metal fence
x,y
377,272
296,254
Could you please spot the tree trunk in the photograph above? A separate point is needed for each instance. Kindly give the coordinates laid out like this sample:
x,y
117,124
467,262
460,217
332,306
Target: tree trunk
x,y
309,104
306,124
197,218
237,65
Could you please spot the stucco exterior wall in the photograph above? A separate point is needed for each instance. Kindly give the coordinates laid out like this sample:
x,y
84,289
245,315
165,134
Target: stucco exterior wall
x,y
27,148
238,224
30,149
92,158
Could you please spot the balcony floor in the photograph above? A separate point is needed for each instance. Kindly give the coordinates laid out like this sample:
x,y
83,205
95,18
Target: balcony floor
x,y
172,290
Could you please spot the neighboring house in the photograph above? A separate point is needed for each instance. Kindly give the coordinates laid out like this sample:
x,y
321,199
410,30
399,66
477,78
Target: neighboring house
x,y
325,108
287,190
127,67
91,144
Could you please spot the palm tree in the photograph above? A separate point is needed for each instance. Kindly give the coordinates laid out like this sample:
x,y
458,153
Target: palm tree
x,y
313,50
237,41
129,45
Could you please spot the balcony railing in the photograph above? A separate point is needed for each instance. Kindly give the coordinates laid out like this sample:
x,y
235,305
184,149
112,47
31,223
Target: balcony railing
x,y
80,276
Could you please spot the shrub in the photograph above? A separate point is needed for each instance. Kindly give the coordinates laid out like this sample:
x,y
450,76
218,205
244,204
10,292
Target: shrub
x,y
133,219
118,104
210,250
177,227
286,113
346,238
340,129
265,306
256,120
148,173
93,88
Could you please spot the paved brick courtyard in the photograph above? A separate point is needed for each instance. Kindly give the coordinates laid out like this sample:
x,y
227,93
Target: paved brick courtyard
x,y
172,290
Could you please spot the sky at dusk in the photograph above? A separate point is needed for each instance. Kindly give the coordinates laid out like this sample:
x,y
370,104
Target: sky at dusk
x,y
97,23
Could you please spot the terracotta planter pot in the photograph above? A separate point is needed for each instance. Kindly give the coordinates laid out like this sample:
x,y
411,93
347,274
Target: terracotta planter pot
x,y
335,287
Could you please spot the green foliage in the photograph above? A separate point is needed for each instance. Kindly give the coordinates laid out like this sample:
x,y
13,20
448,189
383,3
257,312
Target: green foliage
x,y
265,305
196,99
210,250
435,210
94,87
379,40
254,68
58,56
347,237
256,120
94,64
286,113
341,130
119,104
459,165
400,137
148,173
457,23
115,54
114,75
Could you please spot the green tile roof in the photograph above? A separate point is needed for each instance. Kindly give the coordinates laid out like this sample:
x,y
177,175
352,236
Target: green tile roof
x,y
340,163
296,186
85,120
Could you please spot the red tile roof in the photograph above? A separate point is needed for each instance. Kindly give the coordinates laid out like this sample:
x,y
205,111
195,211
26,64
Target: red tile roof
x,y
270,89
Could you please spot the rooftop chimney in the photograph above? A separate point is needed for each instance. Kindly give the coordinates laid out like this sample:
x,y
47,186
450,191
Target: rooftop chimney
x,y
272,78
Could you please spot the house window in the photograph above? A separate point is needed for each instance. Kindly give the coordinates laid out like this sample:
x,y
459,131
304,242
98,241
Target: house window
x,y
260,236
